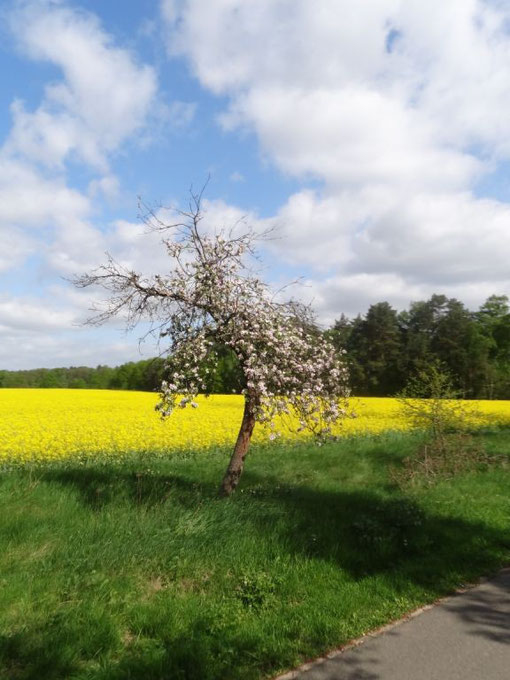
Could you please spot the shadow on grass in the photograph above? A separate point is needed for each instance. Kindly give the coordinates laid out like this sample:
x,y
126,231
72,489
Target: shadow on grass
x,y
99,487
201,653
364,533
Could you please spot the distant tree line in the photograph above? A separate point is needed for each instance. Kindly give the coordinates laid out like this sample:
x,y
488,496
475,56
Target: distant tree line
x,y
384,348
146,375
139,375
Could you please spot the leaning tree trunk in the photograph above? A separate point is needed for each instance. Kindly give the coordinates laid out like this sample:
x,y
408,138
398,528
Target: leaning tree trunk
x,y
236,465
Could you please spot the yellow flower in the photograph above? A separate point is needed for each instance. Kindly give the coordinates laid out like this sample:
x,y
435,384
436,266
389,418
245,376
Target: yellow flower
x,y
45,424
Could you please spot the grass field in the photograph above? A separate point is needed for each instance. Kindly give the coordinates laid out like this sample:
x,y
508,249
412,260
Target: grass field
x,y
127,568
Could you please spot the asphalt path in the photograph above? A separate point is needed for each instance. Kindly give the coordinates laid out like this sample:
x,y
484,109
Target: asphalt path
x,y
464,637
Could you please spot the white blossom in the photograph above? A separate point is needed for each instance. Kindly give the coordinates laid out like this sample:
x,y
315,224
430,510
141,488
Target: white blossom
x,y
210,297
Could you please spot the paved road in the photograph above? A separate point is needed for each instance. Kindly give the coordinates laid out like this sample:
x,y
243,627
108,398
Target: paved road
x,y
466,637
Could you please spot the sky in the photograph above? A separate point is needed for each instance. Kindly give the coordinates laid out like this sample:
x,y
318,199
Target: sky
x,y
373,137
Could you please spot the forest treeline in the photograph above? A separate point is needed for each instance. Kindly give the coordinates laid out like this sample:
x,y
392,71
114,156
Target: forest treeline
x,y
134,375
384,348
145,375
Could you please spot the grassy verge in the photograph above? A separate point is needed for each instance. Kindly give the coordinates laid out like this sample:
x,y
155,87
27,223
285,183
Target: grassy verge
x,y
138,570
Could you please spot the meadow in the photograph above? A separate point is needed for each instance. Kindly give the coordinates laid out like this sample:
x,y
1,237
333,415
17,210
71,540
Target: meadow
x,y
118,560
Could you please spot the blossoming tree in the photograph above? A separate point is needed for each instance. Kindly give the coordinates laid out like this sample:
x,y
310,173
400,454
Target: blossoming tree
x,y
211,297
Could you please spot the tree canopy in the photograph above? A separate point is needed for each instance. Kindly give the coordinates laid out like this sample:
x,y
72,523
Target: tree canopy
x,y
212,298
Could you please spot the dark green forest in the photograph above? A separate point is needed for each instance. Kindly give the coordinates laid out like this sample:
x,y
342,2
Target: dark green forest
x,y
383,349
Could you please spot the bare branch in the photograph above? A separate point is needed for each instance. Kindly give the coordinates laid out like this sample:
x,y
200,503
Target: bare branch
x,y
210,297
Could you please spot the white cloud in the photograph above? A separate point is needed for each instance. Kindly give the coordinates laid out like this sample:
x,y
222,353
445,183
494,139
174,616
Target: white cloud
x,y
108,186
28,198
50,331
136,248
104,97
32,314
220,216
351,136
353,294
433,238
16,247
398,107
78,347
32,209
233,44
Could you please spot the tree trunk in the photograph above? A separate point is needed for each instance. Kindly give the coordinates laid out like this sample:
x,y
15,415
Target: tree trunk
x,y
236,464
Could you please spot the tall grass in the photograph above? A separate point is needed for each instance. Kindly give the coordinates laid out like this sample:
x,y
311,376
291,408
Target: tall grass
x,y
138,570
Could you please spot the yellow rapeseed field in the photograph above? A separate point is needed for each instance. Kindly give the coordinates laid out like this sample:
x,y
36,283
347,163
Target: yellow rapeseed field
x,y
46,424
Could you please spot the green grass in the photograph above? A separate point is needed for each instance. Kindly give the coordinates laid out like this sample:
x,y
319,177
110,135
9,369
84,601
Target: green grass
x,y
138,570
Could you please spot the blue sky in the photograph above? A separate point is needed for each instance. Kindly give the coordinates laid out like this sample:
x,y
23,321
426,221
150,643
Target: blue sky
x,y
375,138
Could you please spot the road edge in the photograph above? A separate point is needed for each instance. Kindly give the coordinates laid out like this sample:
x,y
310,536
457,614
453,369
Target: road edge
x,y
357,642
